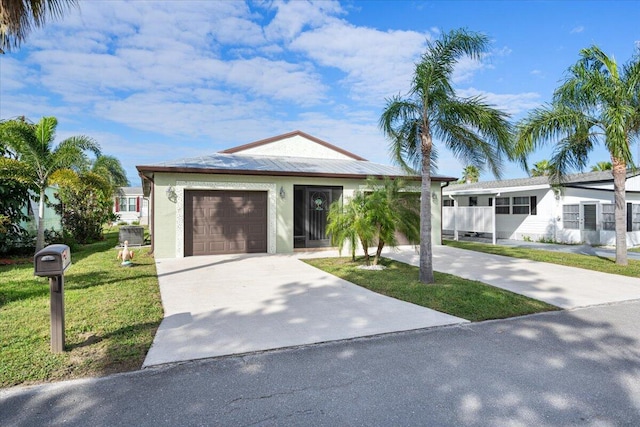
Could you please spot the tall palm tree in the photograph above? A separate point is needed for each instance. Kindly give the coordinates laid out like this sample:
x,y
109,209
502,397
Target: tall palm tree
x,y
597,102
37,158
476,133
19,17
542,168
601,167
470,174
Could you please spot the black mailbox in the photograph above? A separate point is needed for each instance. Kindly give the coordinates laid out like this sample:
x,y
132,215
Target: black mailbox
x,y
52,260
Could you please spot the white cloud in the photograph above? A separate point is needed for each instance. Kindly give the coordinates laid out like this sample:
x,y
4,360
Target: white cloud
x,y
513,104
294,16
577,30
466,68
377,64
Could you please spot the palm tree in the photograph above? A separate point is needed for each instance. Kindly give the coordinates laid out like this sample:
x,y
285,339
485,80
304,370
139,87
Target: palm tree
x,y
37,159
19,17
542,168
475,132
373,217
601,167
470,174
350,224
598,102
392,210
110,168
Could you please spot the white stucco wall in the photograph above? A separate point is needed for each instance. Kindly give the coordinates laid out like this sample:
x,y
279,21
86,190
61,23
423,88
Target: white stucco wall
x,y
169,215
296,146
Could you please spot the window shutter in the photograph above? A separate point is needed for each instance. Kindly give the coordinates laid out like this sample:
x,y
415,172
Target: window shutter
x,y
629,217
137,204
534,205
117,204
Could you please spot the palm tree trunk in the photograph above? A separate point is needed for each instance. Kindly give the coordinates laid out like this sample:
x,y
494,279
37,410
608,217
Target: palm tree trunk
x,y
619,172
378,250
40,238
426,256
366,252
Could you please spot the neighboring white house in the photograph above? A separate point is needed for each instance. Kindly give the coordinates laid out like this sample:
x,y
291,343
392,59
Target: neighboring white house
x,y
580,210
131,206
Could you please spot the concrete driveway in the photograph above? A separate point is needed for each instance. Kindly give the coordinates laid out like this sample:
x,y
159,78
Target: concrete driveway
x,y
565,287
231,304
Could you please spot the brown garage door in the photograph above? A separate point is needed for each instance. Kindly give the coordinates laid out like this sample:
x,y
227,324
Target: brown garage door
x,y
225,222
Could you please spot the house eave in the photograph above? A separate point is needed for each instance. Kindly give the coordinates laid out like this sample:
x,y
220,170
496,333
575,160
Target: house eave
x,y
495,191
145,170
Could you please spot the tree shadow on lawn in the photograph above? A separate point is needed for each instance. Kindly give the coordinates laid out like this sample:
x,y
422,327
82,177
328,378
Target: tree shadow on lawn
x,y
114,356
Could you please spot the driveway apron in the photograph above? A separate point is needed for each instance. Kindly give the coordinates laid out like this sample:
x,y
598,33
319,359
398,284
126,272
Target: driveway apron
x,y
565,287
232,304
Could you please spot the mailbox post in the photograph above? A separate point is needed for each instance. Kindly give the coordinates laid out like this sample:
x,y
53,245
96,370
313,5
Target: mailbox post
x,y
52,262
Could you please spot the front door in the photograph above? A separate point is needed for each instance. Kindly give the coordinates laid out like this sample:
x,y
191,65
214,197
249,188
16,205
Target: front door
x,y
318,202
589,223
311,208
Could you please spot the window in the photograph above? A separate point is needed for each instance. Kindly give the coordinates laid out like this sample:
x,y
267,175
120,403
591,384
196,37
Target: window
x,y
502,205
571,216
520,206
473,201
633,217
128,204
608,217
447,202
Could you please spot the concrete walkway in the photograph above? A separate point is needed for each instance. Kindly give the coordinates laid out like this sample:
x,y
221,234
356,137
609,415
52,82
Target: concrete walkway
x,y
565,287
222,305
585,249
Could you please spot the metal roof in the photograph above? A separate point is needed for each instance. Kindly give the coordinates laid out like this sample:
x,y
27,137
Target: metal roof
x,y
224,163
567,180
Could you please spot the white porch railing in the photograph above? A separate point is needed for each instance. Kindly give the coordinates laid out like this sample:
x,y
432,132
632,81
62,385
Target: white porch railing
x,y
479,219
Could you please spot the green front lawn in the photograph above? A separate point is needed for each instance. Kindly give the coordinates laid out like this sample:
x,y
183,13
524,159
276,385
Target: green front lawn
x,y
454,295
588,262
112,314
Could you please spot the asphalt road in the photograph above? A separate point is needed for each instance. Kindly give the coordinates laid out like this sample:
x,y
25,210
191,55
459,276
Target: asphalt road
x,y
579,367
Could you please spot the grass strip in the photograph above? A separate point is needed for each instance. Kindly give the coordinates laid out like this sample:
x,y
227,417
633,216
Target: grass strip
x,y
111,316
588,262
468,299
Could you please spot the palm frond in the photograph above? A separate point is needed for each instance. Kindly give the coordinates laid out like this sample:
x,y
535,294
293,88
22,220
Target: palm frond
x,y
19,17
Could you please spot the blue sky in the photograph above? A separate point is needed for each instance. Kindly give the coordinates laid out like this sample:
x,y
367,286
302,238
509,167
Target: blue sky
x,y
161,80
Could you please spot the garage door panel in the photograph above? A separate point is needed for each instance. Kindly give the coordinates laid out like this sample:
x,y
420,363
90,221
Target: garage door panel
x,y
219,222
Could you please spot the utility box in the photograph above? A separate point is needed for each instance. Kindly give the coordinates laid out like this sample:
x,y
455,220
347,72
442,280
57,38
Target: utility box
x,y
52,260
134,234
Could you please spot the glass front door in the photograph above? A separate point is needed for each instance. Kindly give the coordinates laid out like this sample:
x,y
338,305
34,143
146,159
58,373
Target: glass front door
x,y
311,208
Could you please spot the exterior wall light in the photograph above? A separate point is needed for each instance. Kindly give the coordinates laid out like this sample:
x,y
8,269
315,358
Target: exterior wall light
x,y
171,194
282,193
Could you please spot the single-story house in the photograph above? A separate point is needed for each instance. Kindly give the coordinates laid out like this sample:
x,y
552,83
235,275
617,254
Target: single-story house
x,y
268,196
52,220
579,210
131,206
